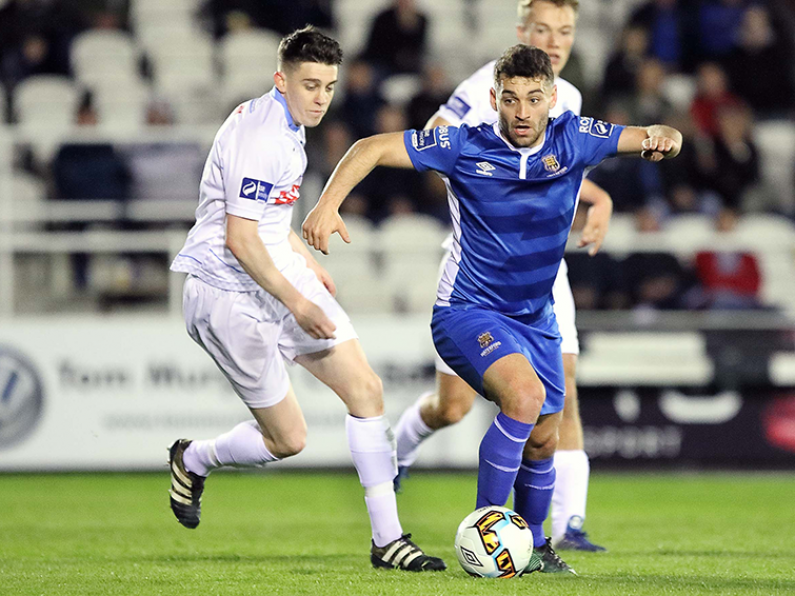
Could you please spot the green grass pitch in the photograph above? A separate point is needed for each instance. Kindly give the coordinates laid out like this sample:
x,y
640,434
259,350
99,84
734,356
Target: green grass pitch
x,y
307,533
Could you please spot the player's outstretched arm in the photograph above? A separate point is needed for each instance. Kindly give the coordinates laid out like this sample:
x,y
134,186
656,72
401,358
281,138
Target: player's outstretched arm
x,y
653,143
598,218
242,238
324,219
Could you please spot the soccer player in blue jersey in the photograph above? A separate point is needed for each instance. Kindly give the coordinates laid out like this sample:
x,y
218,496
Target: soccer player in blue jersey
x,y
512,188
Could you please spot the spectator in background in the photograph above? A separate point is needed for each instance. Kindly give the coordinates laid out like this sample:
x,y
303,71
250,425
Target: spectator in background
x,y
730,164
649,100
666,25
282,16
434,92
718,27
398,39
624,64
712,94
727,279
760,66
35,37
655,281
631,183
362,99
392,191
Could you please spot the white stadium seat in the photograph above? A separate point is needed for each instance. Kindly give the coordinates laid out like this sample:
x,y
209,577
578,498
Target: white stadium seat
x,y
46,101
776,141
103,56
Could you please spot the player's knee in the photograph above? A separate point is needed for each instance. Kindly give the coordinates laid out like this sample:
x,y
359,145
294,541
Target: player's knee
x,y
366,396
290,445
541,447
525,401
453,407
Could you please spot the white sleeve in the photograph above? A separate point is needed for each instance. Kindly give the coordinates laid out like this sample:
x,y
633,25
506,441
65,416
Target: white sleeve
x,y
470,104
253,163
569,98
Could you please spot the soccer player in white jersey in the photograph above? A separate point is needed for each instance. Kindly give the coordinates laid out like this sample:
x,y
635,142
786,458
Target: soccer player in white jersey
x,y
549,25
255,296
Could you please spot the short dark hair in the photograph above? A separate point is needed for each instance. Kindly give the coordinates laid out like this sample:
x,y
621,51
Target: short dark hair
x,y
523,61
308,45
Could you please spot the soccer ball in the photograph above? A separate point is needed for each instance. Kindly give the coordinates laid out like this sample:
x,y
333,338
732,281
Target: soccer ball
x,y
494,542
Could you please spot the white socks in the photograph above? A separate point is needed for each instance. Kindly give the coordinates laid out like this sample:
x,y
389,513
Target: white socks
x,y
571,489
242,446
372,446
411,431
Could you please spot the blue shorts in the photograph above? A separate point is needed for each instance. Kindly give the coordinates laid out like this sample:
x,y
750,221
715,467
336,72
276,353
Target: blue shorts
x,y
471,339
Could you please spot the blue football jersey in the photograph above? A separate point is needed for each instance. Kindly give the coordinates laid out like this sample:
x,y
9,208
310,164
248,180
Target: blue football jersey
x,y
511,208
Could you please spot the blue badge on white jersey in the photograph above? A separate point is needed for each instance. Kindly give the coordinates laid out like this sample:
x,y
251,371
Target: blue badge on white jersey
x,y
458,106
256,190
596,128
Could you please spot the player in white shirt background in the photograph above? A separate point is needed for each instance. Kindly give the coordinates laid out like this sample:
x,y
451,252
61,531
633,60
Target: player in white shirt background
x,y
255,297
551,26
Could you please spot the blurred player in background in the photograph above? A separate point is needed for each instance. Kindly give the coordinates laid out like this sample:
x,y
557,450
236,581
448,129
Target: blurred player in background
x,y
255,296
549,25
513,188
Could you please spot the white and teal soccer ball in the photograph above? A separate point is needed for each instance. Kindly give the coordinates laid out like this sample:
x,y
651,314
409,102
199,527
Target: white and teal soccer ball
x,y
494,542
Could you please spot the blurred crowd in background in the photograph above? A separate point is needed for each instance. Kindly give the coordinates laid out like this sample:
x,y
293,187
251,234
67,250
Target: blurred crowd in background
x,y
718,70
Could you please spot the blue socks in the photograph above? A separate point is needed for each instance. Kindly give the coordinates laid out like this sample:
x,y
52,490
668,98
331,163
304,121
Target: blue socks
x,y
499,459
534,485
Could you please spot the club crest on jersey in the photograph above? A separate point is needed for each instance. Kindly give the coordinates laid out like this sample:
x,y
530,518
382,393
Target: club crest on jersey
x,y
551,163
256,190
596,128
485,168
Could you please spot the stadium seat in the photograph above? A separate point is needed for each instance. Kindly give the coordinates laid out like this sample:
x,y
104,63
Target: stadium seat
x,y
352,267
689,233
248,60
645,358
121,105
399,89
46,101
776,142
103,56
411,247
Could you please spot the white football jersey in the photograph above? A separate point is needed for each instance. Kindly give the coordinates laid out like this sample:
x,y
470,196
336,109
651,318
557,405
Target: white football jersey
x,y
469,104
254,171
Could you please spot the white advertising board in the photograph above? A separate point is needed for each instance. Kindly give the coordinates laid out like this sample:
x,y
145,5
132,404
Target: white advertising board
x,y
99,393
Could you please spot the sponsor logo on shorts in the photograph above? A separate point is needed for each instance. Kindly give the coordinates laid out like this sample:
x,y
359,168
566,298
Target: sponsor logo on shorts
x,y
256,190
485,339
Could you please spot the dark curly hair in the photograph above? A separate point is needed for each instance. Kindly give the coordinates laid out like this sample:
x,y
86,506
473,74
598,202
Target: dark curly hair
x,y
308,45
523,61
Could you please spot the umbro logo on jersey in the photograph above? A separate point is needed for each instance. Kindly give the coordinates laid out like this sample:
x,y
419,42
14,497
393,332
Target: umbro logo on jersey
x,y
256,190
485,168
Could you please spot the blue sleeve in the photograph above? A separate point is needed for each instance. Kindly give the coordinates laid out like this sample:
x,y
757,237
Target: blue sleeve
x,y
596,139
436,149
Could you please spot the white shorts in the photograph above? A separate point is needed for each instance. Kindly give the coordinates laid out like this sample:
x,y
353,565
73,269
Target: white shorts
x,y
564,312
249,335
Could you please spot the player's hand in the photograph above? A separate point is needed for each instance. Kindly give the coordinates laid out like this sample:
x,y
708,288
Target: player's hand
x,y
320,224
656,148
596,225
313,320
324,277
